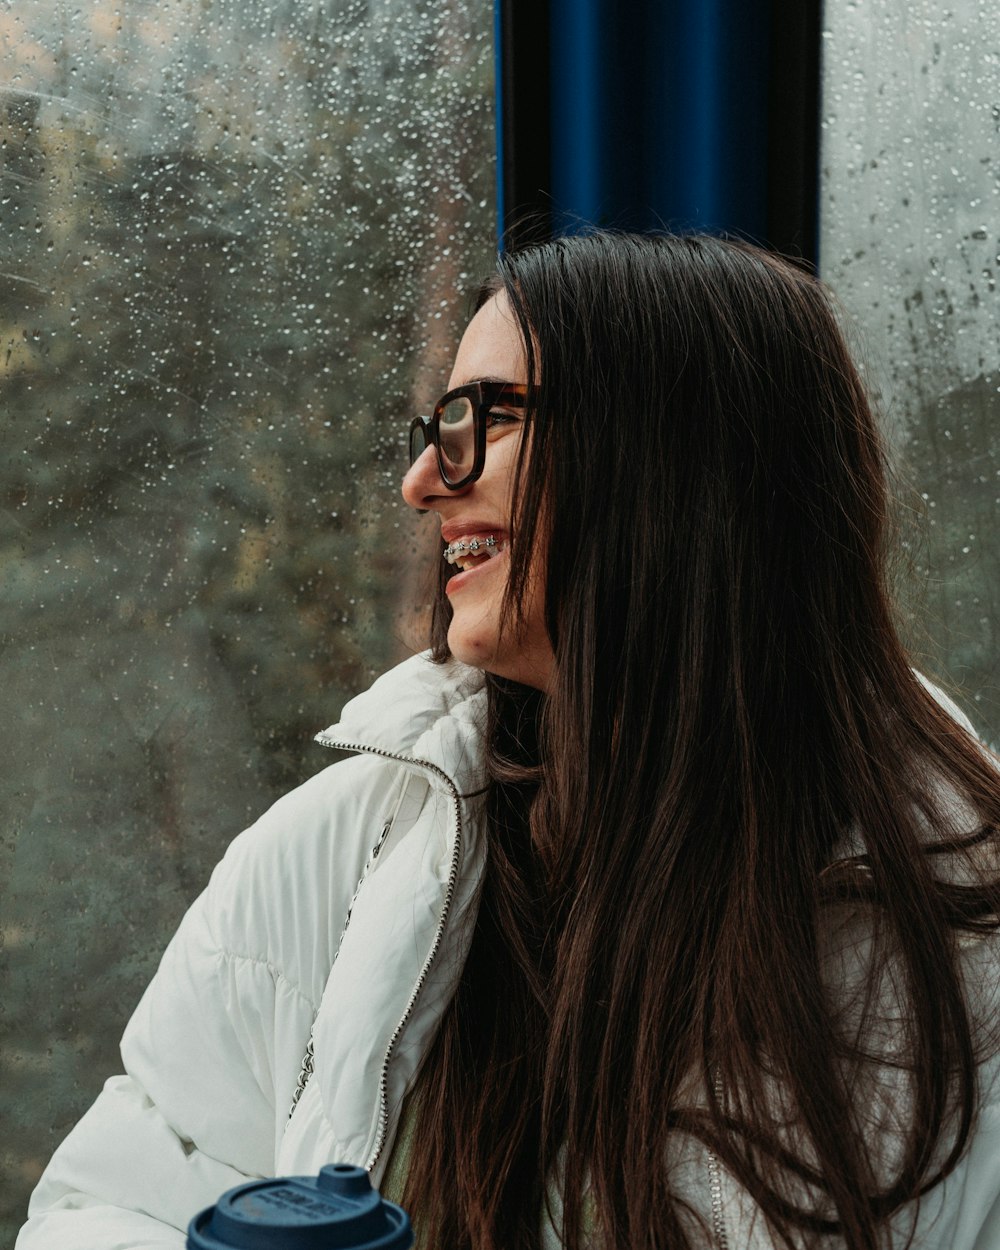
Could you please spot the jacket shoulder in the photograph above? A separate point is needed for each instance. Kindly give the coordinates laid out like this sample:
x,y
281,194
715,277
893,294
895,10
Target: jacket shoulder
x,y
284,887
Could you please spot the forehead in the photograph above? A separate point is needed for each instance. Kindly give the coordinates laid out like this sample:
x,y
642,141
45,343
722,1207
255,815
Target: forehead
x,y
491,346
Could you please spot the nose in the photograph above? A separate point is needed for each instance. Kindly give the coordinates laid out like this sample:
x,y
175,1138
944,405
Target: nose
x,y
422,485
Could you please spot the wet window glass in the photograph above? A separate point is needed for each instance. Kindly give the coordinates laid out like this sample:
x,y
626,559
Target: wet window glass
x,y
909,209
238,240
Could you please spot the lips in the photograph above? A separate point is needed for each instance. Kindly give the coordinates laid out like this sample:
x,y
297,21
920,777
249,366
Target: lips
x,y
483,567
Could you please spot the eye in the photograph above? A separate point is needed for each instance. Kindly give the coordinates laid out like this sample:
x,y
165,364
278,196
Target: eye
x,y
497,418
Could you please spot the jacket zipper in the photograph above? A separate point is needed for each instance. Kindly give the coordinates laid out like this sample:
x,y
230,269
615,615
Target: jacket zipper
x,y
719,1230
456,855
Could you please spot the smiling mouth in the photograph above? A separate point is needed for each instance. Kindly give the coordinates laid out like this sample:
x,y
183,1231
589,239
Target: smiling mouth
x,y
468,553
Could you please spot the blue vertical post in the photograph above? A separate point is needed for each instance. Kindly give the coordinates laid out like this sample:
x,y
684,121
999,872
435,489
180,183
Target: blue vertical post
x,y
659,113
689,114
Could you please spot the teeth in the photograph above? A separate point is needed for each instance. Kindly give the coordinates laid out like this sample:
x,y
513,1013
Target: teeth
x,y
455,552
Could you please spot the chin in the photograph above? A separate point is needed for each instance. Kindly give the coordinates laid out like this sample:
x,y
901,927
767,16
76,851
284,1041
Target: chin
x,y
472,648
521,664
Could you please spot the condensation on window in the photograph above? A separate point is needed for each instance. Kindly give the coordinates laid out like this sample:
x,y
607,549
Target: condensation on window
x,y
238,243
910,205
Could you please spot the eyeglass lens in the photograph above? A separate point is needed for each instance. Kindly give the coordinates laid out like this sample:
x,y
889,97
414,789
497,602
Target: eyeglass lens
x,y
457,437
420,440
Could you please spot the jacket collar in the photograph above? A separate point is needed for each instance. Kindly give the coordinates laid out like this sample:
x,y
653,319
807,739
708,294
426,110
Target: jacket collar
x,y
427,712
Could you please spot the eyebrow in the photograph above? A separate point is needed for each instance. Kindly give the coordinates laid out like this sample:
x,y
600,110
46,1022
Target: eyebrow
x,y
491,380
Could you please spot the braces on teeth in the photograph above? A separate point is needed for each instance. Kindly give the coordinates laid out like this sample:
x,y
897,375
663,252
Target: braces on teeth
x,y
456,549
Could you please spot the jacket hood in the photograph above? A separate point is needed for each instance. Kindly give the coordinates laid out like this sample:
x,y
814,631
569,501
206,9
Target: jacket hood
x,y
430,713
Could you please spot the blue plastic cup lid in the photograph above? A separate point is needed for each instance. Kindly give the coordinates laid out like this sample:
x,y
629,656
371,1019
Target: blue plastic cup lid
x,y
337,1210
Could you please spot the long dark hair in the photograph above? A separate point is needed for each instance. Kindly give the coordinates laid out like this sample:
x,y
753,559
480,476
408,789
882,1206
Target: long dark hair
x,y
733,849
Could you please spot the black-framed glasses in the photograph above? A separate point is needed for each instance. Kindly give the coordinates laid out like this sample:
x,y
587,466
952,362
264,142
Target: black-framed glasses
x,y
456,429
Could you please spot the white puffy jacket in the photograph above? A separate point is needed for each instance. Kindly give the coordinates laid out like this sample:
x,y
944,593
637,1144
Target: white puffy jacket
x,y
266,955
344,914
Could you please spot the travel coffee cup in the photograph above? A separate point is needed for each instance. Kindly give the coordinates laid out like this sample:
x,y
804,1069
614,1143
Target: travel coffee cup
x,y
337,1210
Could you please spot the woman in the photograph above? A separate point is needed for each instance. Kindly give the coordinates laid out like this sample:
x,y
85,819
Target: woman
x,y
726,974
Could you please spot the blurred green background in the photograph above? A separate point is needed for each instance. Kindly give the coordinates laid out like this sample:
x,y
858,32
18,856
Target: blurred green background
x,y
237,246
